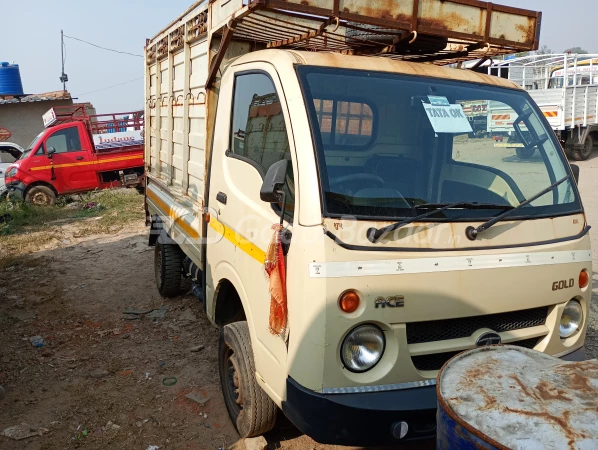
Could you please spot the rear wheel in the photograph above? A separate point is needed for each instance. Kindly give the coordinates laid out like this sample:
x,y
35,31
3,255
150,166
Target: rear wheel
x,y
168,268
250,409
525,153
40,196
581,154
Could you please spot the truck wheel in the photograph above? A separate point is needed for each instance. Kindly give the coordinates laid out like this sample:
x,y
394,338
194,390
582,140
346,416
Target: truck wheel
x,y
168,264
583,153
251,410
40,196
525,153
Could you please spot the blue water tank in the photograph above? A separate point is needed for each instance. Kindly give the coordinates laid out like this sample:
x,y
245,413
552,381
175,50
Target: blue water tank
x,y
10,79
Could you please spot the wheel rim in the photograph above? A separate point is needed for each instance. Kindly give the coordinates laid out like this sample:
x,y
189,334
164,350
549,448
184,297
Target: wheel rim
x,y
40,199
232,385
159,267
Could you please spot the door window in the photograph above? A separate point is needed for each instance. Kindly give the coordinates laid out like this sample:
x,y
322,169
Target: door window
x,y
64,141
259,135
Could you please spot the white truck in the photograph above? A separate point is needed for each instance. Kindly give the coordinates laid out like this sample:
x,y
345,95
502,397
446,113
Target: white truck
x,y
565,87
321,191
9,153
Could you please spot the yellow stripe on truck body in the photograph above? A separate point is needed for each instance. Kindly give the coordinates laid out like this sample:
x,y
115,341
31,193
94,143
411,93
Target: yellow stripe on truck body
x,y
88,163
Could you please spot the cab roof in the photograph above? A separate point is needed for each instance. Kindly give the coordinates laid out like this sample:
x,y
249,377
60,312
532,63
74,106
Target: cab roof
x,y
328,59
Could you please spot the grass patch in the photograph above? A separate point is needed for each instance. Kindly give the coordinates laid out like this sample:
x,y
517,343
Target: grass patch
x,y
24,227
115,207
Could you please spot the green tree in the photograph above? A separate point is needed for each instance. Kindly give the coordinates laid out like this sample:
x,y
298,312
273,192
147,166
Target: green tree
x,y
577,50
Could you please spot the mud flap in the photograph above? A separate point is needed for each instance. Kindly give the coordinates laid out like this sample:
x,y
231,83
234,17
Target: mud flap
x,y
155,230
192,270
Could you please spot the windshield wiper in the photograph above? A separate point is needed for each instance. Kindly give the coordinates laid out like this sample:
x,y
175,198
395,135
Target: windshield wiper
x,y
464,205
374,234
472,232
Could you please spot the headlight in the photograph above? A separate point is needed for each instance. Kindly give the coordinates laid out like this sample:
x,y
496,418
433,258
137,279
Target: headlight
x,y
362,348
571,319
11,172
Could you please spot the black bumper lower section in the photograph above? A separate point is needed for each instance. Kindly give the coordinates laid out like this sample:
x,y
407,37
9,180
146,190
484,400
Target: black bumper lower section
x,y
577,355
16,190
364,418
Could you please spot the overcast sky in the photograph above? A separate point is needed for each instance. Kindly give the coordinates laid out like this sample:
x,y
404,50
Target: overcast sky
x,y
31,38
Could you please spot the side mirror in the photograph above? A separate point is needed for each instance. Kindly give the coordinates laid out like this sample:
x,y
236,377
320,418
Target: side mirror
x,y
575,170
274,181
51,151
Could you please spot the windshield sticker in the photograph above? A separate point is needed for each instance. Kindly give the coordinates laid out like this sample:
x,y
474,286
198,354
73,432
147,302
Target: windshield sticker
x,y
436,100
448,119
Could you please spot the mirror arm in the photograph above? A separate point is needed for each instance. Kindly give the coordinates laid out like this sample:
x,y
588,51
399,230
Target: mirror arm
x,y
284,205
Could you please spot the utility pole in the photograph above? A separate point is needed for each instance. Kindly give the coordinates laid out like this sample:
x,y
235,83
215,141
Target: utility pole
x,y
63,77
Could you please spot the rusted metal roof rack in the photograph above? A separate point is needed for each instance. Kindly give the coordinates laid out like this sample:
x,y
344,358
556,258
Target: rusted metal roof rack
x,y
433,31
441,31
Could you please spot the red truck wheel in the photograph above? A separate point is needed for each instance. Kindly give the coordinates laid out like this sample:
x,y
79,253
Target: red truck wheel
x,y
40,196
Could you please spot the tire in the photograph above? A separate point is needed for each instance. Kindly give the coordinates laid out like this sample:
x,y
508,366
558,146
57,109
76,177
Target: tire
x,y
581,154
40,196
252,412
168,264
140,189
525,154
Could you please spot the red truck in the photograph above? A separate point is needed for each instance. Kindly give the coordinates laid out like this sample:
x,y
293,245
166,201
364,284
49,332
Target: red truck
x,y
78,152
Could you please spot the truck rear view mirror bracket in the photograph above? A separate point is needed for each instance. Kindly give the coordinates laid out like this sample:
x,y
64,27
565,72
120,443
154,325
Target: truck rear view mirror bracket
x,y
274,181
575,170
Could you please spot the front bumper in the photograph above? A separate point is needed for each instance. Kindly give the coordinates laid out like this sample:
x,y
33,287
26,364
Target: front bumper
x,y
371,418
16,190
362,419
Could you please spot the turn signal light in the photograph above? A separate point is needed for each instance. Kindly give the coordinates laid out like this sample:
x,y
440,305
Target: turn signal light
x,y
584,279
349,302
207,217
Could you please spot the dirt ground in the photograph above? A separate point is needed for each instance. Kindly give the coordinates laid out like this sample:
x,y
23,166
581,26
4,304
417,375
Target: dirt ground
x,y
98,381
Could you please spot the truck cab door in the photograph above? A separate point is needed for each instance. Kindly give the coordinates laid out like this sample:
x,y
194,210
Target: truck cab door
x,y
73,164
251,134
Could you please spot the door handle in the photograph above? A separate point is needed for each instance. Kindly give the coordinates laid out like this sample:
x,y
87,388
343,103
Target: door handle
x,y
79,158
221,197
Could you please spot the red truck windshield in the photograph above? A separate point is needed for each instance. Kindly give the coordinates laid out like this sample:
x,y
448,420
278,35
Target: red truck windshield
x,y
31,146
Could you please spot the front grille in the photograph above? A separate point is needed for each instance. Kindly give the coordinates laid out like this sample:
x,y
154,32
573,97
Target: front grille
x,y
441,330
437,360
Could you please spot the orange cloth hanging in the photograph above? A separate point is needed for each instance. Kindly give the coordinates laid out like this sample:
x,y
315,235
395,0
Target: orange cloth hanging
x,y
274,266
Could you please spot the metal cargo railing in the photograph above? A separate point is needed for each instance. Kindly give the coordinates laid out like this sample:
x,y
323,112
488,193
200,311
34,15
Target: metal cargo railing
x,y
436,31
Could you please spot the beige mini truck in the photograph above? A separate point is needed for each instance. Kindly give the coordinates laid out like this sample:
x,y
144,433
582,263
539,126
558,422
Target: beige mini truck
x,y
313,173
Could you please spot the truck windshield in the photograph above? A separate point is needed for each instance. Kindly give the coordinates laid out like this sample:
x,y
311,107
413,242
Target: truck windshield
x,y
33,145
388,143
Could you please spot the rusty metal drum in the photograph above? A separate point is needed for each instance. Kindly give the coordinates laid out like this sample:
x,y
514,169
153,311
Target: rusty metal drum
x,y
506,397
